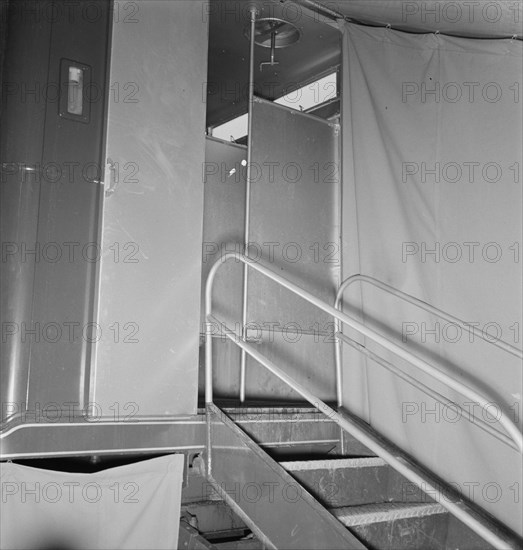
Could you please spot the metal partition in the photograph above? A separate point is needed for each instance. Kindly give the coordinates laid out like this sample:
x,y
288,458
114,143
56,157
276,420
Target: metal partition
x,y
294,228
224,178
50,195
149,284
223,221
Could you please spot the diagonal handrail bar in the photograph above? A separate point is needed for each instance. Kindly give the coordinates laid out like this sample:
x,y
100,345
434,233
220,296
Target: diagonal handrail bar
x,y
471,329
501,344
473,419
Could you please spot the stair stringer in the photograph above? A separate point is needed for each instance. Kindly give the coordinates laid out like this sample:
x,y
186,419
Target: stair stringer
x,y
278,510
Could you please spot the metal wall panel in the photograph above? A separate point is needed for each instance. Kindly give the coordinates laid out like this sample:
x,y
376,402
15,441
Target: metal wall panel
x,y
294,208
51,203
224,224
23,115
223,230
294,229
310,361
294,213
63,301
153,212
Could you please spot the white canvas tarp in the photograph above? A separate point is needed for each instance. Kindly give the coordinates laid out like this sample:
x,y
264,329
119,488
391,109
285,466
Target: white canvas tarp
x,y
432,205
129,507
472,18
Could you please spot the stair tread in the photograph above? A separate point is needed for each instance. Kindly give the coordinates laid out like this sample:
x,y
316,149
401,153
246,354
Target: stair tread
x,y
233,407
333,463
242,544
383,512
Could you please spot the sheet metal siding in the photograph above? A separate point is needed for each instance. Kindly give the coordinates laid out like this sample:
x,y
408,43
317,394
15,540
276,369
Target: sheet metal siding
x,y
223,223
70,195
294,221
48,200
19,194
154,213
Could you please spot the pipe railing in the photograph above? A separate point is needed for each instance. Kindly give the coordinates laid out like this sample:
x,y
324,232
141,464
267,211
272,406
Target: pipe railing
x,y
468,327
460,411
423,365
456,508
471,329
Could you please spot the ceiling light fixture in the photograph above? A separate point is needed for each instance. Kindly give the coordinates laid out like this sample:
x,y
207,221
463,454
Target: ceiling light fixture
x,y
273,33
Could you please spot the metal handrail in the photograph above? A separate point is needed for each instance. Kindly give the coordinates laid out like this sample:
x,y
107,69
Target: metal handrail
x,y
505,346
341,338
454,507
476,420
509,426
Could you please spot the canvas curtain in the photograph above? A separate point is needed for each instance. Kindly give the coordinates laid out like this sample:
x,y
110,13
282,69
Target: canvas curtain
x,y
432,146
130,507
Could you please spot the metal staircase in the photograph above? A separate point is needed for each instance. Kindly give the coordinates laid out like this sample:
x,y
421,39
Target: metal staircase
x,y
267,491
355,489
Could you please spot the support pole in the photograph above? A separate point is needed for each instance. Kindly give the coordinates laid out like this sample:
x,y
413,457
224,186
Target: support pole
x,y
243,359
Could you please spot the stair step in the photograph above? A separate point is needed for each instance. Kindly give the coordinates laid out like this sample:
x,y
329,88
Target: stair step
x,y
333,464
352,516
343,482
299,449
242,544
389,526
291,432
